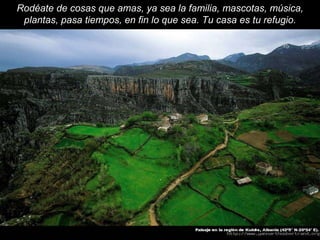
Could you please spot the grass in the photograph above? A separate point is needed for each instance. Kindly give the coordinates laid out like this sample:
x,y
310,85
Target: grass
x,y
262,110
310,130
142,219
140,181
244,80
217,192
93,183
283,112
59,219
184,207
248,200
273,136
93,131
220,217
242,151
132,139
305,217
208,137
188,208
157,148
69,143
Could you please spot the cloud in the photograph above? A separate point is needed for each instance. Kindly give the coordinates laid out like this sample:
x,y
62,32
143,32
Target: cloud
x,y
114,47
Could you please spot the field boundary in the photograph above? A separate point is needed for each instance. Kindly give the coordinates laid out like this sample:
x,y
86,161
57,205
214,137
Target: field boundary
x,y
295,206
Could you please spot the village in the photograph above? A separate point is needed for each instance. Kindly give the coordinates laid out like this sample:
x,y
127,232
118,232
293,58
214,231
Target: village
x,y
261,168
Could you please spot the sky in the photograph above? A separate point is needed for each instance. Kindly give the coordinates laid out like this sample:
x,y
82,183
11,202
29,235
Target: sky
x,y
63,48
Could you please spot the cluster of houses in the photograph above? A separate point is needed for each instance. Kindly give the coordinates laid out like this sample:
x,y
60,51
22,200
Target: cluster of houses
x,y
266,169
263,168
168,121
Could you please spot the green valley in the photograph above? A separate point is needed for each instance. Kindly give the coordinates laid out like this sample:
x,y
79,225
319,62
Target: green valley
x,y
111,175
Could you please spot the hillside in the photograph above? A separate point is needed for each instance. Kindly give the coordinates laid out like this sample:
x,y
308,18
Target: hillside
x,y
311,76
110,175
94,68
184,69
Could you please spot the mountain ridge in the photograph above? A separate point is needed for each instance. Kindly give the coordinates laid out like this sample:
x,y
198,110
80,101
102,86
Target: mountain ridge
x,y
288,57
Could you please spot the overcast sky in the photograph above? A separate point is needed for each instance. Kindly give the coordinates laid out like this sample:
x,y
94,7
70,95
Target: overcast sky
x,y
62,48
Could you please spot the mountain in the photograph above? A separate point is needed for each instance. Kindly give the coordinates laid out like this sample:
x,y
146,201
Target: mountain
x,y
233,57
182,69
288,58
178,59
93,68
183,58
55,70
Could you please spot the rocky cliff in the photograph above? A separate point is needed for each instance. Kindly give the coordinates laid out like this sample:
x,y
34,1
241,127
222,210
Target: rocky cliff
x,y
186,95
30,100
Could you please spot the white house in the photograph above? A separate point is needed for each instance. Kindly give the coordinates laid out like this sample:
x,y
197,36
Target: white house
x,y
310,190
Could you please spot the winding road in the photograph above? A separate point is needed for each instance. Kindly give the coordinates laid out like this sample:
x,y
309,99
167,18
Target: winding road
x,y
181,178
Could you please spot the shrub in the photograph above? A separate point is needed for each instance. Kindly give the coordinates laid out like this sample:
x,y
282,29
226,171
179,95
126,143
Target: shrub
x,y
275,185
267,124
149,116
145,116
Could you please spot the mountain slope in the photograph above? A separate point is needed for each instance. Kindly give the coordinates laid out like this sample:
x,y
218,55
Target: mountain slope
x,y
190,68
178,59
183,58
288,58
233,57
311,76
93,68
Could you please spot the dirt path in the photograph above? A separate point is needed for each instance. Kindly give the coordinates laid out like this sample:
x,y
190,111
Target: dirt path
x,y
233,174
181,178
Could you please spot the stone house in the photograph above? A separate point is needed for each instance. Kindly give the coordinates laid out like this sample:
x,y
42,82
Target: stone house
x,y
175,117
203,118
263,168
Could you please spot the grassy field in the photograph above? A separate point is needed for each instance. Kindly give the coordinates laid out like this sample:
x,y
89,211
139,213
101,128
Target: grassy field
x,y
305,217
310,130
244,80
262,110
208,137
282,113
242,151
220,217
70,143
132,139
93,131
157,148
251,201
142,219
140,181
274,137
180,210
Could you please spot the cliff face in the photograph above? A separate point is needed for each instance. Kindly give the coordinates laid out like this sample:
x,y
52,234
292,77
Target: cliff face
x,y
193,95
30,100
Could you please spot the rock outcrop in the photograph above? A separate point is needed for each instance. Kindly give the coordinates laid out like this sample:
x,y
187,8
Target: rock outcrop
x,y
185,95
